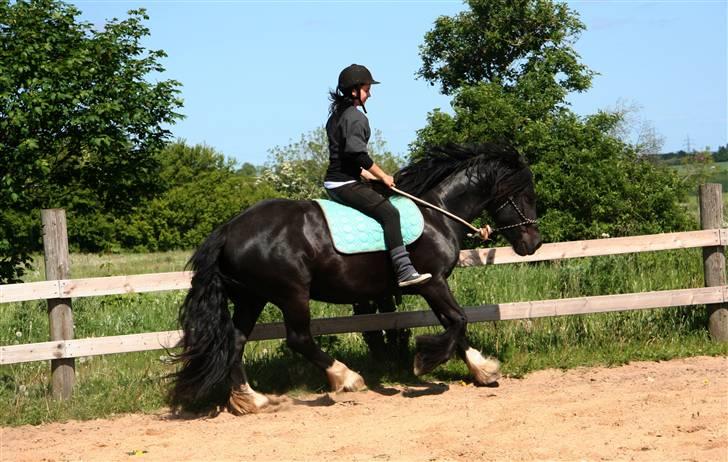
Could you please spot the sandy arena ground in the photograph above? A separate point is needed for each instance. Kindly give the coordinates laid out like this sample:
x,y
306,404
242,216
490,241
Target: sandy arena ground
x,y
675,410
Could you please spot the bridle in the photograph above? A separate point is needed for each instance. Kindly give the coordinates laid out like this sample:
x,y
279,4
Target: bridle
x,y
526,220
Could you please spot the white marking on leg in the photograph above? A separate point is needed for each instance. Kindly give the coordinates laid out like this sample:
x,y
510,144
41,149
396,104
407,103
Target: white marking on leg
x,y
417,366
341,378
245,400
484,370
259,399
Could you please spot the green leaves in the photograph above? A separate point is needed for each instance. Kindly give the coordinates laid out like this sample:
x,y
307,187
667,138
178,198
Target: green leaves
x,y
500,41
509,66
202,190
71,90
77,111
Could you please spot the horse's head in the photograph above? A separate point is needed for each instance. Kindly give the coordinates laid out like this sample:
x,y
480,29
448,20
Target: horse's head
x,y
468,178
513,208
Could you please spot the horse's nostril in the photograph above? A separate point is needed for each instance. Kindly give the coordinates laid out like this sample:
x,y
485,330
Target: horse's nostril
x,y
537,246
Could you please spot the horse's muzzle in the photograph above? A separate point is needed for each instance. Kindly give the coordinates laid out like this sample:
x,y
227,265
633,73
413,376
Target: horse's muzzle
x,y
529,242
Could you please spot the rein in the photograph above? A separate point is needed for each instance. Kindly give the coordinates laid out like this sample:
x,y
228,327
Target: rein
x,y
484,233
443,211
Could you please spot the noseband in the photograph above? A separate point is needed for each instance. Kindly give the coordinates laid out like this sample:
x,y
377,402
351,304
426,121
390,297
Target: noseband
x,y
526,220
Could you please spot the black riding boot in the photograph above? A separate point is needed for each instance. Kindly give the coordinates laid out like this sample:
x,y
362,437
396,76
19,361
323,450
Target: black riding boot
x,y
406,274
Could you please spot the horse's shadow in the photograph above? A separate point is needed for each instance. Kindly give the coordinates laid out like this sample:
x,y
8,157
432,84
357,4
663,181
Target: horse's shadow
x,y
429,389
380,374
284,373
413,390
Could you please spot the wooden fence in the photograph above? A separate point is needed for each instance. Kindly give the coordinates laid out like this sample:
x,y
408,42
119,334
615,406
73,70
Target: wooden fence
x,y
59,291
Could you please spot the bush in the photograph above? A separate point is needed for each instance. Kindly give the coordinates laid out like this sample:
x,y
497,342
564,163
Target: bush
x,y
186,214
588,182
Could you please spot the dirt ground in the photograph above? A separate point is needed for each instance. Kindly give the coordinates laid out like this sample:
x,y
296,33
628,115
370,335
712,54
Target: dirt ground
x,y
675,410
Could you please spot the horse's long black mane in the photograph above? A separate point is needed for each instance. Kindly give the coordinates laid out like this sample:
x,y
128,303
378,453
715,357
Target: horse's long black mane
x,y
442,161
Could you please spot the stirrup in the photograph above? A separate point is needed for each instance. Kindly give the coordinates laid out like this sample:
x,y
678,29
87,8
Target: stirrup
x,y
414,279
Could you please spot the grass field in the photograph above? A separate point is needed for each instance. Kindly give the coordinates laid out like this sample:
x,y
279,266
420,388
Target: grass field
x,y
713,173
112,384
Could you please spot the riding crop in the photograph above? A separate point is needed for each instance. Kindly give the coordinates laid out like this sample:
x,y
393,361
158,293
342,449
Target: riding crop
x,y
483,233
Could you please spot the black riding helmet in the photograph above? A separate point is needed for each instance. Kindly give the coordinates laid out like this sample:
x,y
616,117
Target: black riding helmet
x,y
354,76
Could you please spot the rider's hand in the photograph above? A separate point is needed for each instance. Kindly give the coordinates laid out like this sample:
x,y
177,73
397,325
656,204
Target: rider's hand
x,y
388,180
485,232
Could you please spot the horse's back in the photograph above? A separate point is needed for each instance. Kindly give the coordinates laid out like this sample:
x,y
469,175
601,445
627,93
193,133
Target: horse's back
x,y
277,220
281,244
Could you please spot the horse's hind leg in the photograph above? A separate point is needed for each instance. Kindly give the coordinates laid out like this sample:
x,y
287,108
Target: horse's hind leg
x,y
297,317
373,338
243,399
392,344
397,339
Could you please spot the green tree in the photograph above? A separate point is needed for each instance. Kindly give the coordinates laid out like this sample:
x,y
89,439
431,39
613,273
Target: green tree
x,y
297,170
509,66
203,189
508,42
80,122
697,168
182,164
721,155
248,169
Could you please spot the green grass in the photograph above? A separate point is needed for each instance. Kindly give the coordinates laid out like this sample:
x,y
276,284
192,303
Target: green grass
x,y
714,173
134,382
84,265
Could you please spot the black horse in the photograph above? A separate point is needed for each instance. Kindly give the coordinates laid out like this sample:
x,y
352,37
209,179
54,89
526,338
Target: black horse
x,y
280,251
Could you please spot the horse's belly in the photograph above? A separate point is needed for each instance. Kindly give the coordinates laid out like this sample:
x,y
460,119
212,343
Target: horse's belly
x,y
344,291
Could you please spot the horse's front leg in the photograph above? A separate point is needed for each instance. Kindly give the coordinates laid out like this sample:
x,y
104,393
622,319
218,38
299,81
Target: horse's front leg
x,y
433,350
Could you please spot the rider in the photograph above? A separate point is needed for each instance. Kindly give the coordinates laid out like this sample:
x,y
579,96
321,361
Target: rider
x,y
348,132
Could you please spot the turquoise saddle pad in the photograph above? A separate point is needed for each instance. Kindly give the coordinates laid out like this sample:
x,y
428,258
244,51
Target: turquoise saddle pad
x,y
354,232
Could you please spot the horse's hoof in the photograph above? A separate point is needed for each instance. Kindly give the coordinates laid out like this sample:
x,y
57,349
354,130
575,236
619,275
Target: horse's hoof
x,y
486,379
341,378
424,364
485,371
245,400
354,382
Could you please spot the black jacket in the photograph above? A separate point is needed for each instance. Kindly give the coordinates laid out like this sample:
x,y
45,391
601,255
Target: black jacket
x,y
348,133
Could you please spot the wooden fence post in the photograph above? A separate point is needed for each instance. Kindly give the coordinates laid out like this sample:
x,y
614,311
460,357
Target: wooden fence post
x,y
711,217
55,247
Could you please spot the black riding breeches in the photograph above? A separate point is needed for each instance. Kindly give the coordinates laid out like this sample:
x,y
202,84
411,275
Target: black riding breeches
x,y
362,197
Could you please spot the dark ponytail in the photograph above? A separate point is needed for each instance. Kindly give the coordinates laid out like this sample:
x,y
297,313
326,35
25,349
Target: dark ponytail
x,y
339,101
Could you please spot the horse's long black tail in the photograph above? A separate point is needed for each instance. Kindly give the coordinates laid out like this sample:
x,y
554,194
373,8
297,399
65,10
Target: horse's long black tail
x,y
208,345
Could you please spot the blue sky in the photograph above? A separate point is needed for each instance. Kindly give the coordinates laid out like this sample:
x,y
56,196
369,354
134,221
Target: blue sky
x,y
256,74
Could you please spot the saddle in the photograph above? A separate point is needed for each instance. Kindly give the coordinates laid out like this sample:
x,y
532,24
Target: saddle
x,y
353,232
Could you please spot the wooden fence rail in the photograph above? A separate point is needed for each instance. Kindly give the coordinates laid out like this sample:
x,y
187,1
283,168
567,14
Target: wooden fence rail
x,y
59,291
92,287
499,312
